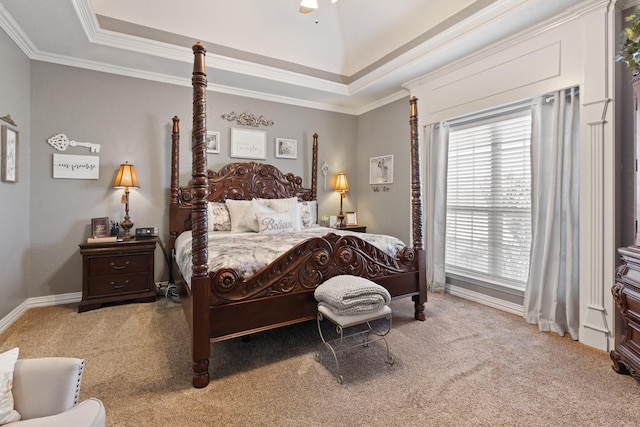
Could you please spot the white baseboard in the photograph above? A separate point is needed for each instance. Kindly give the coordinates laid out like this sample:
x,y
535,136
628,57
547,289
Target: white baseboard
x,y
485,299
15,314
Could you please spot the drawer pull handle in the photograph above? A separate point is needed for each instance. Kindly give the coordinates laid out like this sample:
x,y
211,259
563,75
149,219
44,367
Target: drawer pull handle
x,y
126,282
119,267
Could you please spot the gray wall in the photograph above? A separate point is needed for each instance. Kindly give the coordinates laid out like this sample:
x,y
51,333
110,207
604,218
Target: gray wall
x,y
14,208
131,119
381,132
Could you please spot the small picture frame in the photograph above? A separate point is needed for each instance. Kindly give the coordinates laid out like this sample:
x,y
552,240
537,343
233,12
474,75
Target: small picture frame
x,y
381,169
350,218
100,227
286,148
9,152
333,221
213,142
248,143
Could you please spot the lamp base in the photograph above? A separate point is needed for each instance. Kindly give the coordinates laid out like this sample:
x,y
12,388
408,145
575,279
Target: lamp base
x,y
126,227
341,220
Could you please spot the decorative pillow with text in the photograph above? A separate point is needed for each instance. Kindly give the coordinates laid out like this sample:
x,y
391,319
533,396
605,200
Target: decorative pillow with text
x,y
275,222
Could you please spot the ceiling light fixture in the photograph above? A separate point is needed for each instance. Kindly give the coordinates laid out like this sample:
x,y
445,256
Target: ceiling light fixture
x,y
308,6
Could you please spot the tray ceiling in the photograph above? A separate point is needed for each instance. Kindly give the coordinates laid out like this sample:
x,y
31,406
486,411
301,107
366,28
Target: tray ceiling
x,y
356,57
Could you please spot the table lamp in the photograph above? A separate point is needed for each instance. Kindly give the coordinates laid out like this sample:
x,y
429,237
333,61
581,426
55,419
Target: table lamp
x,y
125,178
342,185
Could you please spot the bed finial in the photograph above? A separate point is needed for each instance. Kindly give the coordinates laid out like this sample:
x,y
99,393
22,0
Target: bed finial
x,y
199,66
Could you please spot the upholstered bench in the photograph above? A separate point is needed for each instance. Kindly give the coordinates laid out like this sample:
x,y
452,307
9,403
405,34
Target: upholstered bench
x,y
350,301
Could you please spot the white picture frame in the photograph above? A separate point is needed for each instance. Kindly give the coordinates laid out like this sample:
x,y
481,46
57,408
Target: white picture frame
x,y
248,143
381,169
286,148
350,218
213,142
9,161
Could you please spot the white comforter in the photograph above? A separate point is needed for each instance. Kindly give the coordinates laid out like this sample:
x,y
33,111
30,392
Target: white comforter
x,y
249,252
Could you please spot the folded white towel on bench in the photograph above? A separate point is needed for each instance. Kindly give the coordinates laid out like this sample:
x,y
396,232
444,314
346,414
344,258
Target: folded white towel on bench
x,y
347,295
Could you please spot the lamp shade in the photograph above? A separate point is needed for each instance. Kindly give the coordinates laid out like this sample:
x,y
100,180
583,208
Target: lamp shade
x,y
341,183
126,176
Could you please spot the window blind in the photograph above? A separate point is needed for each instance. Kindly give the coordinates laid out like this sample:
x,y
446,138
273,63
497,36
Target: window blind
x,y
488,231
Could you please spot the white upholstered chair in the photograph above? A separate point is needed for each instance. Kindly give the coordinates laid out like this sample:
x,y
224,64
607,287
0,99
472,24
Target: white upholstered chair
x,y
45,393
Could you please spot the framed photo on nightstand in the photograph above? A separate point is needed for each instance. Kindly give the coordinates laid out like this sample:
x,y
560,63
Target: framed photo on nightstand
x,y
100,227
350,218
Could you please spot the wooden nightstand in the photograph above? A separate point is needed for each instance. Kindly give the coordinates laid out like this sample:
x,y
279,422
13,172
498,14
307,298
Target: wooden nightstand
x,y
117,271
357,228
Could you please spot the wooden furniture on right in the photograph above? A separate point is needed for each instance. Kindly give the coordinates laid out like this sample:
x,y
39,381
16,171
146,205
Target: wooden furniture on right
x,y
626,288
626,294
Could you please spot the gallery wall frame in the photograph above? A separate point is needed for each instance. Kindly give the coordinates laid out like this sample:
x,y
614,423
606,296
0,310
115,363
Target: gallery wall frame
x,y
9,153
248,143
213,142
286,148
381,169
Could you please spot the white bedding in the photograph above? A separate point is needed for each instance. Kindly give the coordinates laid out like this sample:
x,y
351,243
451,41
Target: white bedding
x,y
248,252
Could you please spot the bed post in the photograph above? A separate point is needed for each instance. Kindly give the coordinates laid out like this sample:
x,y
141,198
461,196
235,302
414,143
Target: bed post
x,y
314,168
416,210
175,182
199,188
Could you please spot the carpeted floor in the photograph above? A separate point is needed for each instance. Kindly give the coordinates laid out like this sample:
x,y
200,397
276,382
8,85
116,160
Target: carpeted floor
x,y
466,365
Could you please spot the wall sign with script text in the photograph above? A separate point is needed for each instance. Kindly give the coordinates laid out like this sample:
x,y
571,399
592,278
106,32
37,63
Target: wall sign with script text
x,y
72,166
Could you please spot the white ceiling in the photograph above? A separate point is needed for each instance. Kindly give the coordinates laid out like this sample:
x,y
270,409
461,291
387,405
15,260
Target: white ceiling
x,y
355,58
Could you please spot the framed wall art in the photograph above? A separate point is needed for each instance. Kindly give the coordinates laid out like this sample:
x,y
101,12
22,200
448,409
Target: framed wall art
x,y
9,152
248,143
286,148
381,169
213,142
72,166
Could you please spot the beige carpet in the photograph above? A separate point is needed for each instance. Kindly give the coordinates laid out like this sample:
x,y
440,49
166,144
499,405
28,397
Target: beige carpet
x,y
466,365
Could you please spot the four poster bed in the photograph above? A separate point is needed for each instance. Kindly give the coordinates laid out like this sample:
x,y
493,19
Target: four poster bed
x,y
222,302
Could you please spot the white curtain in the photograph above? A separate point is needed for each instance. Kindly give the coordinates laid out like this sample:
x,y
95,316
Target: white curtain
x,y
551,297
436,152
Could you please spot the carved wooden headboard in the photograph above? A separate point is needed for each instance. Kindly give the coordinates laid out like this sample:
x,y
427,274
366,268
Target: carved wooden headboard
x,y
239,181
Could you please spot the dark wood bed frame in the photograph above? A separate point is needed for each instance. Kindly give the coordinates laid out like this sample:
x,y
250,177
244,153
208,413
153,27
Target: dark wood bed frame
x,y
221,304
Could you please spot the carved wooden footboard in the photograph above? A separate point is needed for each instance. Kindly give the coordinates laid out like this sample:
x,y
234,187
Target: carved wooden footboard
x,y
222,304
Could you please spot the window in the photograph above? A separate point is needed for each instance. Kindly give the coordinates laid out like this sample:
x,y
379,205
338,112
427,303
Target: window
x,y
488,231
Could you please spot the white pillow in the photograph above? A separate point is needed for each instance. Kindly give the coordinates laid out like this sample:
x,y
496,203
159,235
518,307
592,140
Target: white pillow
x,y
275,222
218,217
7,364
243,214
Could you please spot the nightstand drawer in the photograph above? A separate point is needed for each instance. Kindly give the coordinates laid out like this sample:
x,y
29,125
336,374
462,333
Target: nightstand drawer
x,y
120,284
118,265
